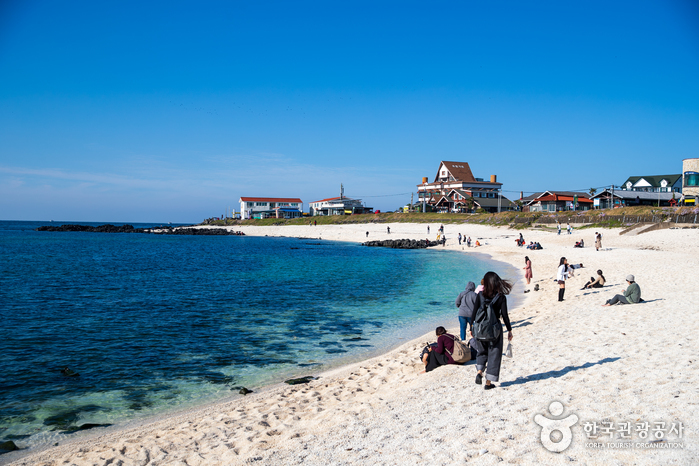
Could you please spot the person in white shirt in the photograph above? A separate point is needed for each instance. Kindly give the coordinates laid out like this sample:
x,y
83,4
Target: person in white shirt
x,y
563,274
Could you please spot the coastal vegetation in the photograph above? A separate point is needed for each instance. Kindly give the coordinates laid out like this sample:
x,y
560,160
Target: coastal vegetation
x,y
617,218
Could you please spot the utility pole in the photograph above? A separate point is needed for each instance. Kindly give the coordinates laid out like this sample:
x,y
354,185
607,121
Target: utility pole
x,y
411,203
612,196
342,191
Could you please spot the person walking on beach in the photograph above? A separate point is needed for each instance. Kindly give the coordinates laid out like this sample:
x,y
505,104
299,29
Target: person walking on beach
x,y
428,229
490,307
562,276
632,293
460,245
528,269
569,228
388,229
444,240
598,241
559,227
465,302
468,242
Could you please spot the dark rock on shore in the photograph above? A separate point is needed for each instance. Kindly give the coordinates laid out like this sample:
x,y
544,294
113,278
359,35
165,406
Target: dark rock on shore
x,y
108,228
300,380
6,447
92,426
162,230
244,391
402,243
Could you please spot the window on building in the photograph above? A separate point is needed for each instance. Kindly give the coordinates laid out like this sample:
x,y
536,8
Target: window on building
x,y
691,179
250,204
295,204
260,204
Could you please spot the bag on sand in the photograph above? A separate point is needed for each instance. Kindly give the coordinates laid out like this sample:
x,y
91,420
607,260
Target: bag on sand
x,y
462,353
486,324
508,353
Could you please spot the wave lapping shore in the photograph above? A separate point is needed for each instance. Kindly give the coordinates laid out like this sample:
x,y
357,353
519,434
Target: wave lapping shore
x,y
606,365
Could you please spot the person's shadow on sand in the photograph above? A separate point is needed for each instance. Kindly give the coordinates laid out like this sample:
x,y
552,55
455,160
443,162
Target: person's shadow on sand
x,y
555,374
521,323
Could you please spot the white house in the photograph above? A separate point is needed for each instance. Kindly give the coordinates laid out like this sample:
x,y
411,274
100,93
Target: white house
x,y
338,206
266,207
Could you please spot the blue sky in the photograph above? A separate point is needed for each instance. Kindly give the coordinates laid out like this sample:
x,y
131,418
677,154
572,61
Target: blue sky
x,y
170,111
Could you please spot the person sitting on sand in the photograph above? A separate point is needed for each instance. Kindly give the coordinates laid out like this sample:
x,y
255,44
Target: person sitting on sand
x,y
595,282
580,244
632,294
441,355
478,243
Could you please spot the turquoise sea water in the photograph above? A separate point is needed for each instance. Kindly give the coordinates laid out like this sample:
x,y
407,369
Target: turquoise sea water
x,y
154,324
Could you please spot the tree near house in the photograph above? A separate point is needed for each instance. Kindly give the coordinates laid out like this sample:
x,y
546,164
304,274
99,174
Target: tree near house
x,y
592,191
470,203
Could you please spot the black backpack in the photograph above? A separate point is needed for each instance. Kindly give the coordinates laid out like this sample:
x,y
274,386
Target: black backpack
x,y
486,324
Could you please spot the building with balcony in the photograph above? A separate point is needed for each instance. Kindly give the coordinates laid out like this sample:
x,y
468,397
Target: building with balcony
x,y
266,207
455,189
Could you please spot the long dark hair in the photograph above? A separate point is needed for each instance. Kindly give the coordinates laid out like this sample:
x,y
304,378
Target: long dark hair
x,y
526,259
599,272
493,284
563,262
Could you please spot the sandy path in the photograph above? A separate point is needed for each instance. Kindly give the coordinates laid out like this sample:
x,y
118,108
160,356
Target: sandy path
x,y
625,363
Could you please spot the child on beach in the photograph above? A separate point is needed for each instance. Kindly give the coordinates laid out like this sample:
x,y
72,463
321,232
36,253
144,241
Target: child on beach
x,y
598,241
489,352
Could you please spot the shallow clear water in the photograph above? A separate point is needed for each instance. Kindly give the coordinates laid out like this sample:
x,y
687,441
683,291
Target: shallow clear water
x,y
157,323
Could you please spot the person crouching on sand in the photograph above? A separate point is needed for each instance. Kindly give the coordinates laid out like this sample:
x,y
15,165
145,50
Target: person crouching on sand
x,y
632,293
488,350
441,355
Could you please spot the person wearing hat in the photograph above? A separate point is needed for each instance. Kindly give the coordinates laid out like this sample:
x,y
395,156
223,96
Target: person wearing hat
x,y
632,293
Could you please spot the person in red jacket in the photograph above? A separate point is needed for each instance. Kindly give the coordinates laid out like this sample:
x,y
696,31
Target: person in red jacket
x,y
441,355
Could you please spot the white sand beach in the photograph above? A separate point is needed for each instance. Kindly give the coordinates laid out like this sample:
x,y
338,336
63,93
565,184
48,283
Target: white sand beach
x,y
636,363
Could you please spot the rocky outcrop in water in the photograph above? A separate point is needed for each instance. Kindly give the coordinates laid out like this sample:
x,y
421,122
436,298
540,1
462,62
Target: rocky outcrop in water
x,y
162,230
402,243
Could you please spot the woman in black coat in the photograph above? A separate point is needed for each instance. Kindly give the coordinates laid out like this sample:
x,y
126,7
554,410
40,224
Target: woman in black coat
x,y
489,352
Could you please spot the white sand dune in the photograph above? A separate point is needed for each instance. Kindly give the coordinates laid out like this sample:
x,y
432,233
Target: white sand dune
x,y
636,363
